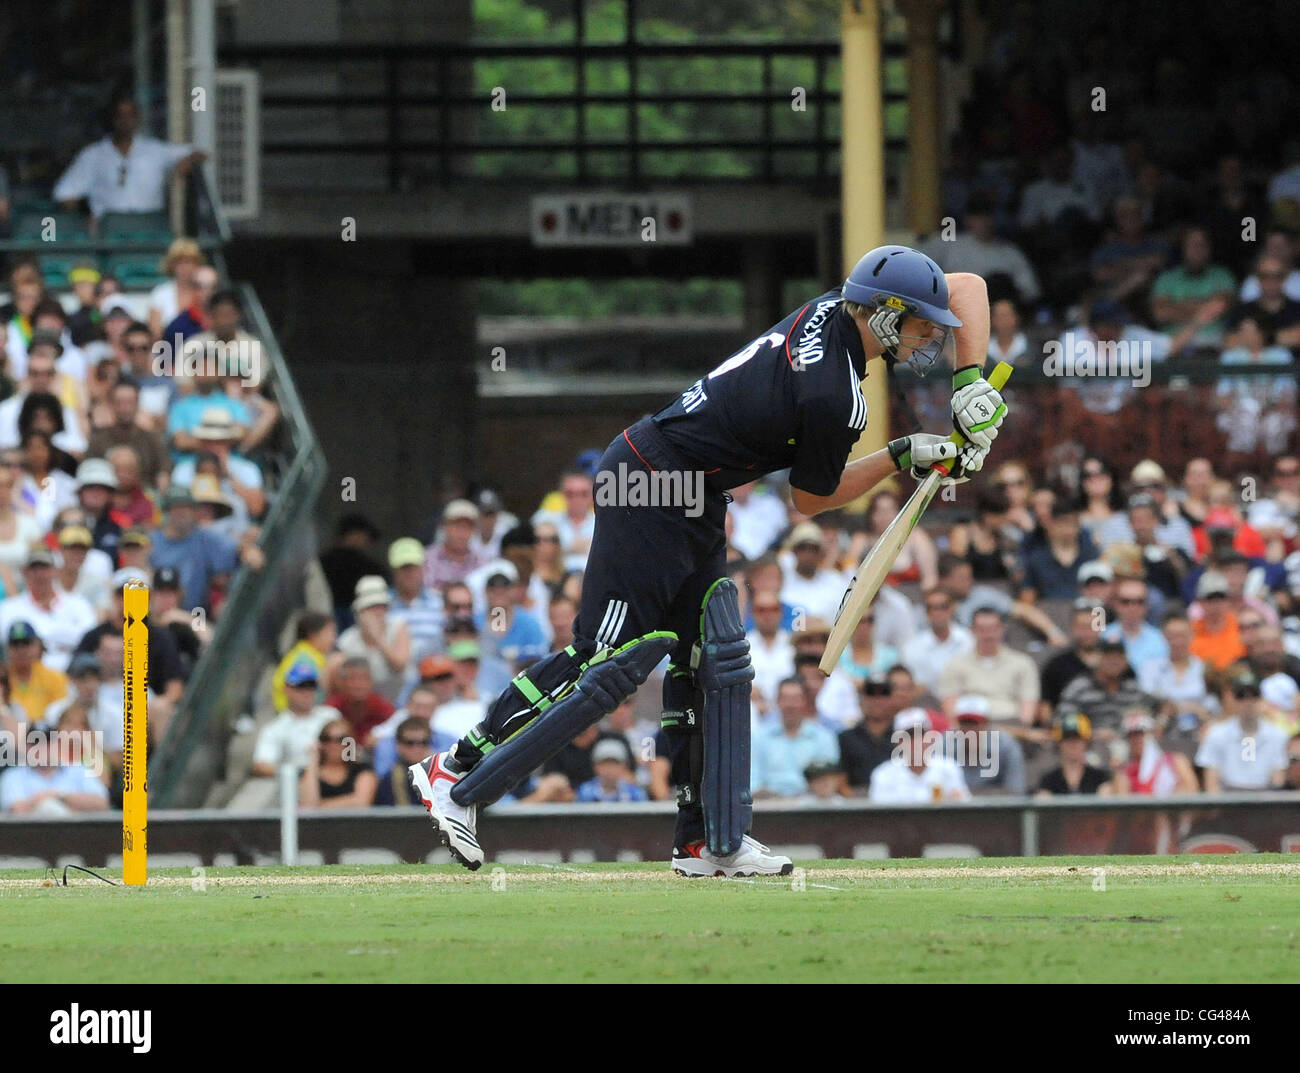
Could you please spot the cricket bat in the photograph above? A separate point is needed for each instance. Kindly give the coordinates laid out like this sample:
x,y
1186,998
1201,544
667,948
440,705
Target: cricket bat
x,y
877,563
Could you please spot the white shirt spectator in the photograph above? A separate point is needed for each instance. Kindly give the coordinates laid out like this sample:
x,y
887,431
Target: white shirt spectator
x,y
967,254
113,182
459,717
758,522
1046,199
1285,185
70,439
894,783
27,531
926,656
1291,288
575,539
896,618
388,683
94,580
165,299
773,662
296,733
818,596
60,627
1161,679
59,492
1016,349
1224,749
106,718
837,702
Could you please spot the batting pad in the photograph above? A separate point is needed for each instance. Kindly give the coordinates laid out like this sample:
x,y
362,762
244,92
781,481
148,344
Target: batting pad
x,y
725,674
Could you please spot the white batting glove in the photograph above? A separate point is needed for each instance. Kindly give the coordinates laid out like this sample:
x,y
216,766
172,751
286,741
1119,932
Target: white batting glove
x,y
921,450
977,407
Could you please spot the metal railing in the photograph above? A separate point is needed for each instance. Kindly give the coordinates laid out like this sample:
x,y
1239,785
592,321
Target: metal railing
x,y
257,607
754,133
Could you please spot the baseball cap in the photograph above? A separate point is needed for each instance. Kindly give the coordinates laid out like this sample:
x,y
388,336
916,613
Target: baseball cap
x,y
1211,583
972,706
128,573
805,533
488,502
135,538
876,685
1111,644
84,663
39,555
1072,725
166,577
84,273
502,569
912,717
302,673
1148,471
116,306
462,650
177,496
96,471
75,536
1245,684
405,551
1095,570
21,633
45,337
1221,518
459,509
371,591
588,461
436,667
608,749
1138,722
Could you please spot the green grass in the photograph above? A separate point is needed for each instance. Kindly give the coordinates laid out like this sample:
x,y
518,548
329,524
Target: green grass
x,y
1229,919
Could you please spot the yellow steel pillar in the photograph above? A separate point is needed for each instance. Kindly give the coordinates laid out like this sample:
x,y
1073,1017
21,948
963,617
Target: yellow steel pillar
x,y
924,122
862,193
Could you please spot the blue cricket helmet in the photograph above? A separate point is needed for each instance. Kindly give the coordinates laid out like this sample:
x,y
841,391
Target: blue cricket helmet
x,y
903,273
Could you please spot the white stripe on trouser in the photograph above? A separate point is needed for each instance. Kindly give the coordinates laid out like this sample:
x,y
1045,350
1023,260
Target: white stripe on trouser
x,y
615,613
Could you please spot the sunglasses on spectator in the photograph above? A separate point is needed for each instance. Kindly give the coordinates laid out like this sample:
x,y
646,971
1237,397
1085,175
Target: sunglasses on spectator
x,y
1245,694
413,742
767,609
136,348
548,540
1130,600
332,739
466,606
1272,275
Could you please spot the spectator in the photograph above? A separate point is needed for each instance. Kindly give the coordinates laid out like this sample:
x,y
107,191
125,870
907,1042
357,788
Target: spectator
x,y
32,685
918,559
1051,569
833,697
1163,565
785,747
1087,620
810,587
165,610
1007,342
991,760
205,560
1127,260
1196,293
414,740
157,391
1277,671
381,639
561,613
613,779
356,700
1178,683
984,542
83,569
347,561
1277,247
548,565
1149,769
334,778
958,580
80,702
576,523
86,321
1058,200
188,413
511,637
1275,314
918,771
241,479
869,743
862,656
40,388
96,483
294,733
451,558
1106,692
1099,499
1009,679
18,532
977,249
316,637
1143,643
47,487
127,430
1072,733
134,549
574,765
1291,780
1224,527
1216,633
928,653
1284,187
130,497
1192,498
1243,752
124,171
770,650
411,601
759,517
174,294
193,319
421,706
60,619
43,787
460,715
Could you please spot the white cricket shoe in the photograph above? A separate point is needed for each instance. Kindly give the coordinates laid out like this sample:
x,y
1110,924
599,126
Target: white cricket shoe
x,y
455,823
752,859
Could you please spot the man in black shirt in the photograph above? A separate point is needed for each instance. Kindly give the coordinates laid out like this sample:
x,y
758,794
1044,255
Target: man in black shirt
x,y
1058,672
656,581
1074,775
869,744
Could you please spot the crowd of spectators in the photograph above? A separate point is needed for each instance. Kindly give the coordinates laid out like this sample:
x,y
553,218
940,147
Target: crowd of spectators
x,y
132,426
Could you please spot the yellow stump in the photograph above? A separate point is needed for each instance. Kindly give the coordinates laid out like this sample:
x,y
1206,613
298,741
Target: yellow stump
x,y
135,732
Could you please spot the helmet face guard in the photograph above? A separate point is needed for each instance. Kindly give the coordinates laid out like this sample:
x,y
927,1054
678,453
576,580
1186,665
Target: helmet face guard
x,y
922,351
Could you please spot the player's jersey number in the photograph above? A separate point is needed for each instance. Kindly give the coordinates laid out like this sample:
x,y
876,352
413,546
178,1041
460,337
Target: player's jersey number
x,y
695,396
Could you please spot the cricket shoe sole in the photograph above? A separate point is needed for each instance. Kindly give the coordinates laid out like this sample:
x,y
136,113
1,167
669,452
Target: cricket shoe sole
x,y
454,823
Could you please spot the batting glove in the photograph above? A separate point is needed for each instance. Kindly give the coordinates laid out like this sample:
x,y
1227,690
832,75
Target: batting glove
x,y
920,451
977,407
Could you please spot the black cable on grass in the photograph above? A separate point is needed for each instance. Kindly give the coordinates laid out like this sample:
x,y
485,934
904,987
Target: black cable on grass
x,y
88,871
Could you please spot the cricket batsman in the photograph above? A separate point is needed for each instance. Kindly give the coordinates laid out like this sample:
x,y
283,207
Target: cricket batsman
x,y
656,582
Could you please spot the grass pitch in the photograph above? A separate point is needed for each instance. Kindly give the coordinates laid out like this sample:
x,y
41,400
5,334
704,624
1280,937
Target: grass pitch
x,y
1043,920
